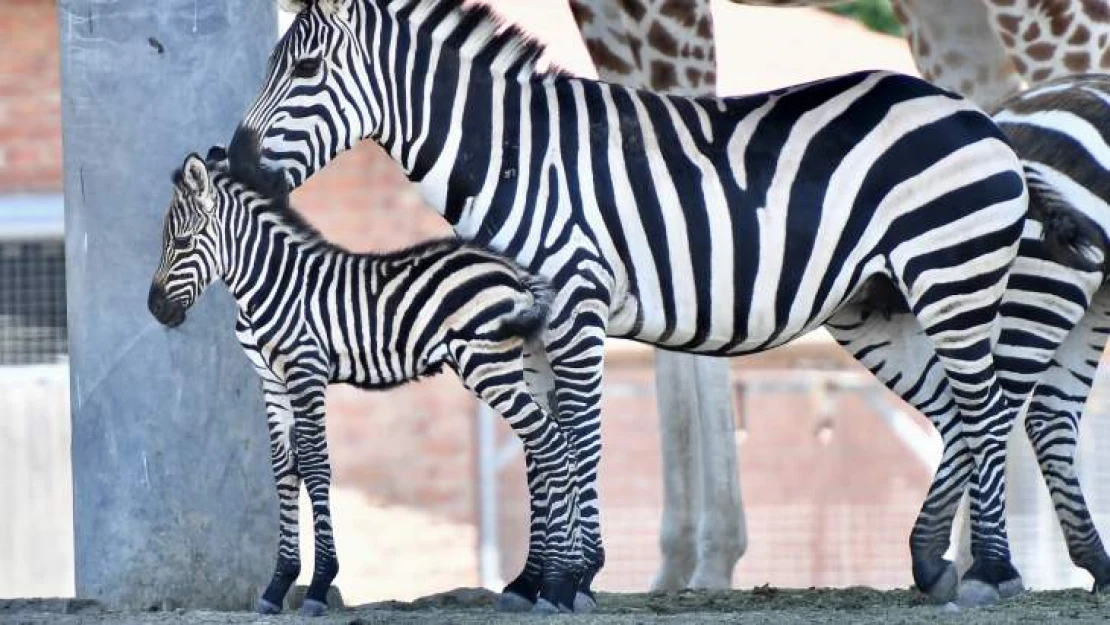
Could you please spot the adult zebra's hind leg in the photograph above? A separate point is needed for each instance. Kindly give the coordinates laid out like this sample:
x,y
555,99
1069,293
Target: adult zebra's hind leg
x,y
890,342
495,374
1052,425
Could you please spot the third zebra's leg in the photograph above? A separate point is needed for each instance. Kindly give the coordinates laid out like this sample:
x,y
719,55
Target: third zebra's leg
x,y
894,347
1052,425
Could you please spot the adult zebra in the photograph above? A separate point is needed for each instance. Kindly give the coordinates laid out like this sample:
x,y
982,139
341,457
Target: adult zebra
x,y
311,314
719,226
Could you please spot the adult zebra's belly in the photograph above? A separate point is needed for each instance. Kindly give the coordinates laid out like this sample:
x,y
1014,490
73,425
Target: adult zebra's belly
x,y
752,329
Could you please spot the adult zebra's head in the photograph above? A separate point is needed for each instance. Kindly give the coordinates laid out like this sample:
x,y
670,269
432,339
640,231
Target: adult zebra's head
x,y
190,243
314,102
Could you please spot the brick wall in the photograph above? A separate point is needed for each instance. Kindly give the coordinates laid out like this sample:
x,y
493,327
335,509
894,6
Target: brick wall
x,y
30,123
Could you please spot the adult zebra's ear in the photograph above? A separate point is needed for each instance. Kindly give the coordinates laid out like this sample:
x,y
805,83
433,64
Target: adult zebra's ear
x,y
293,6
194,174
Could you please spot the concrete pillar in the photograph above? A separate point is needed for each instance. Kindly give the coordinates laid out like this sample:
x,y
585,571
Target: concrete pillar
x,y
173,500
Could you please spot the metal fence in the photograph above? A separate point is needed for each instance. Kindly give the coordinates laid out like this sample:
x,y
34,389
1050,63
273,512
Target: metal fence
x,y
36,531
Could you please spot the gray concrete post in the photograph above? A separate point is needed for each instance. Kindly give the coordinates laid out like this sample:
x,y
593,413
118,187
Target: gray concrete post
x,y
173,500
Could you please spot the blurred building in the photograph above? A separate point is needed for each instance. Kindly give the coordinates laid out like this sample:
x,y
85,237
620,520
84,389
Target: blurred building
x,y
429,495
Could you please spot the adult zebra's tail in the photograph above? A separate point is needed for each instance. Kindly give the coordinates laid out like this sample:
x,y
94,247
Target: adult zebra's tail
x,y
529,322
1070,236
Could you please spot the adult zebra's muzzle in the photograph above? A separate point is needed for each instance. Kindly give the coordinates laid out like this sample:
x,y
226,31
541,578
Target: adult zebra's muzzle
x,y
167,312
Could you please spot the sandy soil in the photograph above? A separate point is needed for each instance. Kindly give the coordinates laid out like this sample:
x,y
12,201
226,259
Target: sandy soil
x,y
761,605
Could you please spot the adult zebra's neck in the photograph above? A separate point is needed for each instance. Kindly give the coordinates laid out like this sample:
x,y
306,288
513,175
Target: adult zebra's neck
x,y
457,89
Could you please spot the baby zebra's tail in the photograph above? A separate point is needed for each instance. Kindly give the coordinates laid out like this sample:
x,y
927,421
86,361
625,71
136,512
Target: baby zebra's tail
x,y
529,322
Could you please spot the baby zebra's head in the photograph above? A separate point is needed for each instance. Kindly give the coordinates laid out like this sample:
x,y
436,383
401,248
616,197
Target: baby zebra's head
x,y
190,241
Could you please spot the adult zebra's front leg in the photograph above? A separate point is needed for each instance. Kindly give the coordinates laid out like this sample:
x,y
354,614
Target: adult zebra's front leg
x,y
307,384
576,348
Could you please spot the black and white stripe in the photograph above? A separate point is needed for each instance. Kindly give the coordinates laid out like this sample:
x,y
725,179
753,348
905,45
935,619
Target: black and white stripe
x,y
718,226
311,314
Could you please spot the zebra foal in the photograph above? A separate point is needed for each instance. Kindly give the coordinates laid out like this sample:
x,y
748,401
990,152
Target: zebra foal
x,y
311,314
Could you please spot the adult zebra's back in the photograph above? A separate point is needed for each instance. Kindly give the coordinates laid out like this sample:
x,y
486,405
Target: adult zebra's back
x,y
721,226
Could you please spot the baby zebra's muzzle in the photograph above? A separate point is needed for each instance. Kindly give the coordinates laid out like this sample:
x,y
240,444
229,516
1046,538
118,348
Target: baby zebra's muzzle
x,y
167,312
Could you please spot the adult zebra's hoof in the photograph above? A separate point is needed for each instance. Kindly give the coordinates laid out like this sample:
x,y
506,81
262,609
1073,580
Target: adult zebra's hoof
x,y
584,602
543,606
312,607
266,607
945,587
509,601
974,593
937,578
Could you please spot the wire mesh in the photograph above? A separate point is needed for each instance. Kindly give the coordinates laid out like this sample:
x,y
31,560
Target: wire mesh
x,y
32,302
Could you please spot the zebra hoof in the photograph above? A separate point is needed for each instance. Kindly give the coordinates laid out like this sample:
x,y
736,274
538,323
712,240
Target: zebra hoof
x,y
945,588
950,608
584,603
543,606
266,607
312,607
1011,588
974,593
512,602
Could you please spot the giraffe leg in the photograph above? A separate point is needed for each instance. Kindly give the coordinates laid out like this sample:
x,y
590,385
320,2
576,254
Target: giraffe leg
x,y
722,530
307,385
677,400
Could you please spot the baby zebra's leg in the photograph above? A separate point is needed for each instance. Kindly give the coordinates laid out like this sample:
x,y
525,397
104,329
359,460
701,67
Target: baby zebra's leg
x,y
520,594
283,461
307,384
494,371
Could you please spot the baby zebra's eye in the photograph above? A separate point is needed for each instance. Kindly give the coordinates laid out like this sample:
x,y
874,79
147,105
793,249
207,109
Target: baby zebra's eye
x,y
307,68
182,244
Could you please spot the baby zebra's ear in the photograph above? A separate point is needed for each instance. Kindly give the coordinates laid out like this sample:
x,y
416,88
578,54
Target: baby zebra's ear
x,y
194,173
216,154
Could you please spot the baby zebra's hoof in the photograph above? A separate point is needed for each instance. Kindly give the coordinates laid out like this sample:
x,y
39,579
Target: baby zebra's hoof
x,y
265,607
512,602
945,588
543,606
312,607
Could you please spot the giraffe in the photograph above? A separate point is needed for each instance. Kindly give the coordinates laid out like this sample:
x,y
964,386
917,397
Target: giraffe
x,y
668,47
986,50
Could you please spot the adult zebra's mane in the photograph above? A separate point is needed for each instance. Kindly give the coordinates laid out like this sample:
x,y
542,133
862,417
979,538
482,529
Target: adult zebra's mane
x,y
487,35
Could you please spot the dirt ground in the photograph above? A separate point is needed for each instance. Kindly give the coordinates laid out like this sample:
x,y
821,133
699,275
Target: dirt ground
x,y
761,605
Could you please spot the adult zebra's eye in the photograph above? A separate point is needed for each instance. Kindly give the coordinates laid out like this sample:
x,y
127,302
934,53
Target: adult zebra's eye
x,y
182,243
307,68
